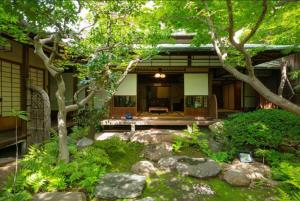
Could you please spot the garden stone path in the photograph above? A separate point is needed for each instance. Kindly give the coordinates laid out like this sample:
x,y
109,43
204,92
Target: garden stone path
x,y
60,196
120,185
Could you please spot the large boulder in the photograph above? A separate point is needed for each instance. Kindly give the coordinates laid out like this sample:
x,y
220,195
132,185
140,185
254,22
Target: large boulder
x,y
120,186
236,178
243,174
198,167
154,152
84,142
143,168
63,196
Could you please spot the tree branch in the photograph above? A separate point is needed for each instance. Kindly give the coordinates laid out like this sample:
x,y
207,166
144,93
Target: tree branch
x,y
38,49
78,92
231,24
239,46
215,40
258,22
128,68
84,101
45,41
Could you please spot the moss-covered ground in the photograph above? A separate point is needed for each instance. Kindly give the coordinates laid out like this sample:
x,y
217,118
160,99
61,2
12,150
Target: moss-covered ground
x,y
172,186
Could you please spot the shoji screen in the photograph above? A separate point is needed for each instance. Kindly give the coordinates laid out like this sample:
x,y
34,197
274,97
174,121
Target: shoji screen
x,y
10,87
36,77
195,84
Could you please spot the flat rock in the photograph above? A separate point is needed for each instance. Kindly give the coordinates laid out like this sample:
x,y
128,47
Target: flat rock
x,y
84,142
198,167
154,152
60,196
120,185
144,168
154,136
107,135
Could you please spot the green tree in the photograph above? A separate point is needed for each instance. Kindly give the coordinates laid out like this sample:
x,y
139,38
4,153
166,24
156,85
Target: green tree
x,y
229,25
96,37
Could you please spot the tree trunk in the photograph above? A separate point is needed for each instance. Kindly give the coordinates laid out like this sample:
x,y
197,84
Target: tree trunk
x,y
62,119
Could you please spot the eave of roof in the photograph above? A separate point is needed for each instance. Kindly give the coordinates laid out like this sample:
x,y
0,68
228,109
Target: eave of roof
x,y
209,47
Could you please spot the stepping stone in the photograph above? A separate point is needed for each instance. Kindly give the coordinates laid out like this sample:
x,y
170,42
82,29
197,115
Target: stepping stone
x,y
60,196
120,185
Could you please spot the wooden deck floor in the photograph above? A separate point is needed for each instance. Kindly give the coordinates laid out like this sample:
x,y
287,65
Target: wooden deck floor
x,y
158,121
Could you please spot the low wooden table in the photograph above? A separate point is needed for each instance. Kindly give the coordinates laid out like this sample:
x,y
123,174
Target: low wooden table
x,y
159,109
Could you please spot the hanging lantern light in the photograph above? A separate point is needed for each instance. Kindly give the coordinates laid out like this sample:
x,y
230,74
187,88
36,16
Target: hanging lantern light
x,y
159,74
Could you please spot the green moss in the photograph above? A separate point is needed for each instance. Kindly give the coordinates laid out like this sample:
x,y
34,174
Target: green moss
x,y
170,186
123,162
191,152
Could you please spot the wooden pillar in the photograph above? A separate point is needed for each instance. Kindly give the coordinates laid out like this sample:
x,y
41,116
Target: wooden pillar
x,y
23,82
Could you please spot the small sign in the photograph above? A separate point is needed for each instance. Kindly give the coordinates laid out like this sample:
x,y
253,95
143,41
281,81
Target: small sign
x,y
246,158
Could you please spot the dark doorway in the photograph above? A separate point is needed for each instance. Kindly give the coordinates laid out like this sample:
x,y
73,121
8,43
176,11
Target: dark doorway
x,y
165,92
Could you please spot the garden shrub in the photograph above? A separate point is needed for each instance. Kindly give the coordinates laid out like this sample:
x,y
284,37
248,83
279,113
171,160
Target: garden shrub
x,y
122,154
41,171
265,132
192,137
265,129
79,132
113,146
289,174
